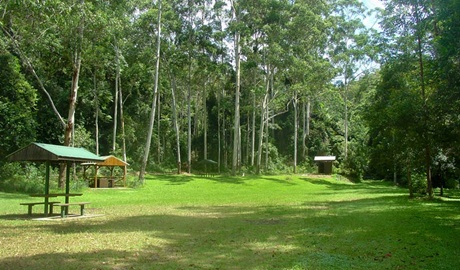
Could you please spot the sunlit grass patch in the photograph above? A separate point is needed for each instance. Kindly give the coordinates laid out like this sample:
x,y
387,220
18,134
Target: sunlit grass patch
x,y
268,222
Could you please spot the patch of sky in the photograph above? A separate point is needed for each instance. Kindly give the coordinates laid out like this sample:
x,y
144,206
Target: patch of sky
x,y
371,21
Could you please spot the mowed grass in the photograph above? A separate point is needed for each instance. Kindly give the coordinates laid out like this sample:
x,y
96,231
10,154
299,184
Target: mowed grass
x,y
267,222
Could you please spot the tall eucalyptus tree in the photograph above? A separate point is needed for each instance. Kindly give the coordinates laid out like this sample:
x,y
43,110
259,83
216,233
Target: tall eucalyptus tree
x,y
410,24
306,67
236,10
348,40
447,70
155,95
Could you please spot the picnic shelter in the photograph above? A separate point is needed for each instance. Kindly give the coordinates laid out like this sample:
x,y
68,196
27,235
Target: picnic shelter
x,y
53,154
111,180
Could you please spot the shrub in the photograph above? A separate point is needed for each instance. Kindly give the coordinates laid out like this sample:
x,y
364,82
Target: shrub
x,y
419,184
26,178
452,183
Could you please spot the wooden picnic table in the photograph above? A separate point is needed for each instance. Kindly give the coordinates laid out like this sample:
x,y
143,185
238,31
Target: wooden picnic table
x,y
55,195
47,203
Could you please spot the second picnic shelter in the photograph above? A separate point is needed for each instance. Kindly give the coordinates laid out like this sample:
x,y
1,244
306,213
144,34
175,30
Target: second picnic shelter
x,y
110,162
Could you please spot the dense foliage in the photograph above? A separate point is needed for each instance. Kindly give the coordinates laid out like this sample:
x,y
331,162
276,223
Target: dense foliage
x,y
258,86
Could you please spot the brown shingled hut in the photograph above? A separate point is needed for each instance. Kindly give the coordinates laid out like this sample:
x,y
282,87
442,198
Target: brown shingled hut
x,y
105,181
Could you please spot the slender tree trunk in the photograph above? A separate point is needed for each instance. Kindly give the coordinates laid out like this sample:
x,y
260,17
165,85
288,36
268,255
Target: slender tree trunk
x,y
155,94
253,139
426,112
296,124
236,127
308,116
267,157
263,119
176,126
115,102
71,116
96,113
70,125
219,127
73,101
306,127
189,92
261,139
240,151
261,132
248,140
159,155
224,140
122,122
189,118
345,98
205,123
270,95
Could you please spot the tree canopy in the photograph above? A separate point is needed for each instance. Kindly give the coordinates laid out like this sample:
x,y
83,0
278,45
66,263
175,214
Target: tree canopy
x,y
258,86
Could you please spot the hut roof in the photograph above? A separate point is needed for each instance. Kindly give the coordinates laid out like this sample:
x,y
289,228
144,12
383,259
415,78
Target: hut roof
x,y
108,161
324,158
112,161
41,152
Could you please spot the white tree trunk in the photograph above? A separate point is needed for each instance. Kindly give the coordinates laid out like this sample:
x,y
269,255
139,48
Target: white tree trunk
x,y
236,126
346,118
263,122
115,111
96,113
70,125
155,94
122,122
306,127
295,131
159,155
175,124
253,139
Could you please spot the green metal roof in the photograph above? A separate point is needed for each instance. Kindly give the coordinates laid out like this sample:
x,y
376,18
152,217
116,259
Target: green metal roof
x,y
41,152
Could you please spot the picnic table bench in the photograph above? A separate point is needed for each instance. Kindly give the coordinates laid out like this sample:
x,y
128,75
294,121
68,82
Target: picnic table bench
x,y
206,174
65,207
55,195
51,204
32,204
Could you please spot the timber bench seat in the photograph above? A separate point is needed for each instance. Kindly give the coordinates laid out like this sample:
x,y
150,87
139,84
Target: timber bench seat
x,y
65,207
32,204
206,174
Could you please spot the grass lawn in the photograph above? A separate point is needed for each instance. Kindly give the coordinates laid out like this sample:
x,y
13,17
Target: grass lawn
x,y
268,222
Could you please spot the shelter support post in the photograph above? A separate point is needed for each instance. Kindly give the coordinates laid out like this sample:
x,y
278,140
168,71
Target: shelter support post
x,y
67,184
47,187
67,181
95,176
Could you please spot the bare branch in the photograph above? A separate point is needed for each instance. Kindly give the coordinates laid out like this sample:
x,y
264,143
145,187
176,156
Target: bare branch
x,y
32,69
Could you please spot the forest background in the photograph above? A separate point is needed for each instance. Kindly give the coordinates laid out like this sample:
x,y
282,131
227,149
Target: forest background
x,y
258,86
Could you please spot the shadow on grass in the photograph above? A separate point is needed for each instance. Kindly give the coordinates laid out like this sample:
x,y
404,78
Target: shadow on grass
x,y
379,233
185,178
370,186
19,216
172,178
101,259
219,178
